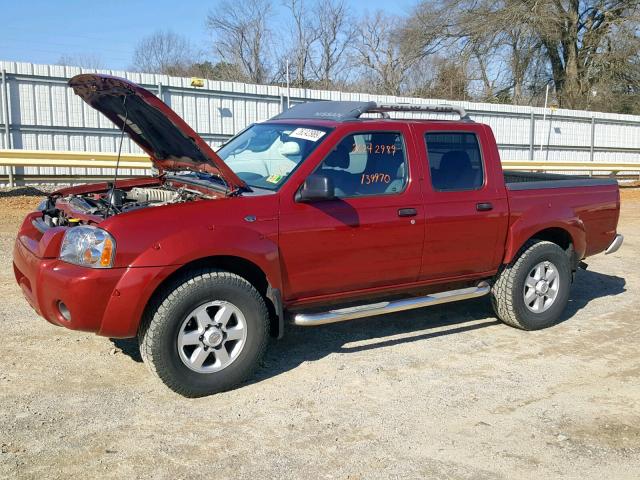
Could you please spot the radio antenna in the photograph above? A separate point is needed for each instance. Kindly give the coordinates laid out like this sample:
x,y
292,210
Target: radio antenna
x,y
115,175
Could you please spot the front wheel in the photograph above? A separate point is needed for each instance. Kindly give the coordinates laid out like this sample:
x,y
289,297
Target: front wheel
x,y
533,290
206,334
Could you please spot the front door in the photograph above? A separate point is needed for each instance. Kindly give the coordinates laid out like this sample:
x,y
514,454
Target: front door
x,y
371,235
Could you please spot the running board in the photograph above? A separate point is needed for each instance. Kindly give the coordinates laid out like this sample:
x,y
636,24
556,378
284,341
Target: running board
x,y
351,313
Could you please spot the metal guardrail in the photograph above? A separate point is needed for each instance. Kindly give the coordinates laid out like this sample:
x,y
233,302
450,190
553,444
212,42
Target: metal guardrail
x,y
551,166
50,158
54,158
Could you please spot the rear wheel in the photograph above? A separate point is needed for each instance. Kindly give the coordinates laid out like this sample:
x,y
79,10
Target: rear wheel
x,y
207,333
533,290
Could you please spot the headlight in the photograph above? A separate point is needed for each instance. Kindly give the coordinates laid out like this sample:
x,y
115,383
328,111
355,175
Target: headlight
x,y
88,246
43,204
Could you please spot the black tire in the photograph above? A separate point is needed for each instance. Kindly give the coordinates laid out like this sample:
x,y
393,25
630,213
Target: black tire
x,y
507,290
159,330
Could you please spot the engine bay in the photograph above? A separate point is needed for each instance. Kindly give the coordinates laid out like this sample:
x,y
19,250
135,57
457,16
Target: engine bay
x,y
72,210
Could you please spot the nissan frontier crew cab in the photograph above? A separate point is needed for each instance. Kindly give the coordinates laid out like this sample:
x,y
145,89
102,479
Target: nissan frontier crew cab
x,y
329,211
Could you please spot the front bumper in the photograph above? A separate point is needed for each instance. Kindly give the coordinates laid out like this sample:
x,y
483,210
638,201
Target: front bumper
x,y
109,302
615,245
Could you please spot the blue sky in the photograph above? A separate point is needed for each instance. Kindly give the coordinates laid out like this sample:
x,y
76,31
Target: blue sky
x,y
41,31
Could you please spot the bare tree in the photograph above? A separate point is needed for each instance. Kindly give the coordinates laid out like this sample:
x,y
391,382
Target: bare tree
x,y
490,37
617,86
304,35
504,44
577,37
482,50
219,71
573,37
164,52
440,76
243,36
451,80
335,35
84,60
524,49
492,50
384,57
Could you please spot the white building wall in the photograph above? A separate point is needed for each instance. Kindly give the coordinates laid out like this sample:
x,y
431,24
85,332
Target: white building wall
x,y
44,114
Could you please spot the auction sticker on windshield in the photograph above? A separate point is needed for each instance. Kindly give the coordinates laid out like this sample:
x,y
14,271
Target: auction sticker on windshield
x,y
307,134
274,178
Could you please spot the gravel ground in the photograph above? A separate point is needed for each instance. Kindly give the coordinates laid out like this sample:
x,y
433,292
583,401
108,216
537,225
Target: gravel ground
x,y
446,392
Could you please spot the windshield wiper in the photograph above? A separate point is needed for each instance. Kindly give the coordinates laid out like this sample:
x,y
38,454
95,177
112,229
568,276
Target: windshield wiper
x,y
210,180
210,177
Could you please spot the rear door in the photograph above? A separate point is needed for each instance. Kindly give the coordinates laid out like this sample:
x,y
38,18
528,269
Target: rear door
x,y
466,211
372,234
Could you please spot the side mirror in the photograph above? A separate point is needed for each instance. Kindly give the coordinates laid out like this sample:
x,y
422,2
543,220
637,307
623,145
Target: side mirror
x,y
315,188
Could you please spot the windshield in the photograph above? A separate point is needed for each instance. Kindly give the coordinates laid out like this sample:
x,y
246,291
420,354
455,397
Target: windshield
x,y
264,155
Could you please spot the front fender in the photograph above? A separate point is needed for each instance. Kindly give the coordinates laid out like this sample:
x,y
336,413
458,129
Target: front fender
x,y
153,266
540,218
182,247
181,233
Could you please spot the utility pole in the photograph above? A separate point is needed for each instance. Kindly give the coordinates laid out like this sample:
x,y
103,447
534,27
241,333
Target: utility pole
x,y
544,116
5,114
288,87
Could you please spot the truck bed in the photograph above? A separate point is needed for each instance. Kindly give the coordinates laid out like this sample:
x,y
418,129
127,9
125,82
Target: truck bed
x,y
519,180
545,198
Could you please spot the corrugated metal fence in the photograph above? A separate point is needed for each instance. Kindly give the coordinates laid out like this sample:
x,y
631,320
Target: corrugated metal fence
x,y
39,112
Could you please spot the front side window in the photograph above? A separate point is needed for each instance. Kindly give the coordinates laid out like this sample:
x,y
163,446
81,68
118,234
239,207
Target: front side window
x,y
367,164
264,155
455,161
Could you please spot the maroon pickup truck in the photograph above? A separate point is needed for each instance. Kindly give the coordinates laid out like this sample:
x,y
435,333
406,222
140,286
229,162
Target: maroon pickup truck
x,y
330,211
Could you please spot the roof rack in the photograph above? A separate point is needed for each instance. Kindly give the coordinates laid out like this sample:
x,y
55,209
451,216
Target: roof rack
x,y
416,107
343,111
337,111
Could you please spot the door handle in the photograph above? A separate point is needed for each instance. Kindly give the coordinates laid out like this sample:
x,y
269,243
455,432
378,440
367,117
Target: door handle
x,y
407,212
484,206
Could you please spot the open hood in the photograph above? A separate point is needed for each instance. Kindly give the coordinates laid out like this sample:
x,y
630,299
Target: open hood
x,y
158,130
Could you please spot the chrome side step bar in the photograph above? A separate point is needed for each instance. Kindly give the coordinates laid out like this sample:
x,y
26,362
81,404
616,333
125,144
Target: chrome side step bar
x,y
351,313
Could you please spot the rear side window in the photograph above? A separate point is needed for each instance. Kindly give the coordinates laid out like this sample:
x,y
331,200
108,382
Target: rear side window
x,y
455,161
